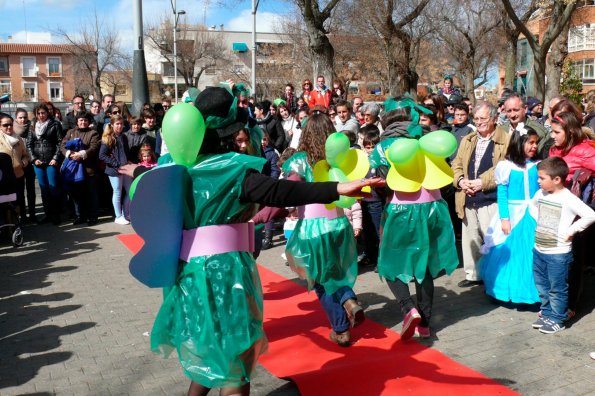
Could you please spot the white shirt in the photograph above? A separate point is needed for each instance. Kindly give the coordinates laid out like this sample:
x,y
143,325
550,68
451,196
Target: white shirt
x,y
555,214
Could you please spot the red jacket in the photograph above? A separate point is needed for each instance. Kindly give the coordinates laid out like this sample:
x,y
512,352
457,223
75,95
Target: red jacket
x,y
320,98
580,156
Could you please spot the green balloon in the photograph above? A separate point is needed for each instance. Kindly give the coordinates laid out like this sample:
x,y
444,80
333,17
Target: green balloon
x,y
183,130
440,143
336,148
403,150
345,202
336,174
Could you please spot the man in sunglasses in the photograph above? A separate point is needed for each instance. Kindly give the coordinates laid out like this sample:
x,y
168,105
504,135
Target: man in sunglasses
x,y
78,105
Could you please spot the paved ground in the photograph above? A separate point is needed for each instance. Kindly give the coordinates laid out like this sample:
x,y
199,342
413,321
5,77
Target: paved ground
x,y
73,321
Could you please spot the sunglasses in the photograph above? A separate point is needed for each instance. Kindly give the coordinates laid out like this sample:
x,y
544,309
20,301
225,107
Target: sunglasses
x,y
7,125
115,112
166,107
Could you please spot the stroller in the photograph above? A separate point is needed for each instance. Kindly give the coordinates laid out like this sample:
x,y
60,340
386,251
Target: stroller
x,y
9,218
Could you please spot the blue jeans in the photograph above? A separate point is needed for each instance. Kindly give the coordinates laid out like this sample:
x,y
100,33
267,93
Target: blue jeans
x,y
371,217
120,183
48,179
551,279
333,306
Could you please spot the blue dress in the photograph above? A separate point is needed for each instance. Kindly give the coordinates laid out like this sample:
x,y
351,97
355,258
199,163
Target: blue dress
x,y
507,265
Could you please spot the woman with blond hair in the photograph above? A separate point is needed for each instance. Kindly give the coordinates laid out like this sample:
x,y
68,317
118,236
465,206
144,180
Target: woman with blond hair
x,y
114,151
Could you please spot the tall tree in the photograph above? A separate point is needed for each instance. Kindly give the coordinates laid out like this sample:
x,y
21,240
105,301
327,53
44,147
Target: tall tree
x,y
96,47
319,45
197,48
391,20
555,64
472,42
560,12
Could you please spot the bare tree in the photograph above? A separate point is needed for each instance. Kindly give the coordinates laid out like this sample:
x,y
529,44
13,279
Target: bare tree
x,y
472,42
95,47
559,15
198,49
319,45
391,20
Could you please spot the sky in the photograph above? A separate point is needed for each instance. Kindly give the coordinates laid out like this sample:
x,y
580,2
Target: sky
x,y
32,20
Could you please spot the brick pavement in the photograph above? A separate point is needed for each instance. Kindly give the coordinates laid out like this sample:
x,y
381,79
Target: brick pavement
x,y
73,321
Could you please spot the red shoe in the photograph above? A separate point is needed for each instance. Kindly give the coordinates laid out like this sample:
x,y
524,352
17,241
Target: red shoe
x,y
422,332
410,321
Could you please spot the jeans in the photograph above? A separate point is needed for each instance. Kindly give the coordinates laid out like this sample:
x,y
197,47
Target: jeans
x,y
551,279
48,179
333,306
86,200
120,183
372,215
424,295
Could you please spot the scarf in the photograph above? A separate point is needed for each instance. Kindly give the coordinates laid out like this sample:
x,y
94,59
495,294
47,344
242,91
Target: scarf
x,y
40,127
12,140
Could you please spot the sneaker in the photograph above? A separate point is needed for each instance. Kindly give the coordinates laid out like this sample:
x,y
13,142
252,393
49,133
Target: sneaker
x,y
121,220
538,324
410,321
551,327
592,355
422,332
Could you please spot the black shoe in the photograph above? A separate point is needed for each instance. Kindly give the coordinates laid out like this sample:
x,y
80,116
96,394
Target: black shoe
x,y
92,222
78,220
469,283
42,220
267,243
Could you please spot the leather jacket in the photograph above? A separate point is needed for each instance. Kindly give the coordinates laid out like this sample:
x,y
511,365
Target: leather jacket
x,y
47,146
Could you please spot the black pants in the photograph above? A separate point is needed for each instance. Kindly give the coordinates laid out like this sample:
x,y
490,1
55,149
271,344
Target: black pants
x,y
424,296
582,246
86,200
21,197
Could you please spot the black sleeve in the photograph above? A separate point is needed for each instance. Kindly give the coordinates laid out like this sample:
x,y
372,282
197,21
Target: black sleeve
x,y
264,190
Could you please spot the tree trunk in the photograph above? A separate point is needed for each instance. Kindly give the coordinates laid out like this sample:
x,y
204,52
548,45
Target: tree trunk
x,y
539,76
470,85
323,54
555,64
511,54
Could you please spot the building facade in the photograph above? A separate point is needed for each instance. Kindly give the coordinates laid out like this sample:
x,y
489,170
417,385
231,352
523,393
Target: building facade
x,y
35,72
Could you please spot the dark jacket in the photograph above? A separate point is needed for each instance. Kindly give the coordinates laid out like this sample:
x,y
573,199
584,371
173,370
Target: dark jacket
x,y
135,141
46,147
91,141
116,156
275,130
69,121
272,158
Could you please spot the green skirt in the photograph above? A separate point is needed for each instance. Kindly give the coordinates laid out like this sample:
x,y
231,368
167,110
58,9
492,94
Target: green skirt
x,y
415,238
323,251
212,317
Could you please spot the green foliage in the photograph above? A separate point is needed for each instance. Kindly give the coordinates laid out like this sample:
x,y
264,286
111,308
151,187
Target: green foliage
x,y
571,85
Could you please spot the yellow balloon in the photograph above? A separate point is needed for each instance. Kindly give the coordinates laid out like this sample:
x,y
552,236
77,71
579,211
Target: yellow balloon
x,y
320,171
407,177
355,165
438,173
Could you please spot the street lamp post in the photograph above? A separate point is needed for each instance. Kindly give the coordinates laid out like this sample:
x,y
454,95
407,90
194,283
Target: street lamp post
x,y
253,76
176,18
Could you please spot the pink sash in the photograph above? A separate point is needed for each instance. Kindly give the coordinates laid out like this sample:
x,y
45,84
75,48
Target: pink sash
x,y
216,239
314,211
420,196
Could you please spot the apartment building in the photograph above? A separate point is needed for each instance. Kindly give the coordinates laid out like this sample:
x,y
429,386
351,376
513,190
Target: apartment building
x,y
34,72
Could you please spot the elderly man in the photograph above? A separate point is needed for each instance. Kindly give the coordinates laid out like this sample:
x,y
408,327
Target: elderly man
x,y
515,109
475,197
343,119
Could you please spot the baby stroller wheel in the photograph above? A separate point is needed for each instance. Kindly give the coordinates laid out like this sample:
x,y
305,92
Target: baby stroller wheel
x,y
17,237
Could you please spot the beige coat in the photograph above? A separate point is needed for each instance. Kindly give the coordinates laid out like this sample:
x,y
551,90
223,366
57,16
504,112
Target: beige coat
x,y
18,153
460,165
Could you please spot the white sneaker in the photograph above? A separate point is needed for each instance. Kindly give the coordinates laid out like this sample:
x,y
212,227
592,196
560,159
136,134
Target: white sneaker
x,y
592,354
121,220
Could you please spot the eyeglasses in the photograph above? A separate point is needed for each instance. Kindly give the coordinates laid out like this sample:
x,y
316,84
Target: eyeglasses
x,y
481,119
7,125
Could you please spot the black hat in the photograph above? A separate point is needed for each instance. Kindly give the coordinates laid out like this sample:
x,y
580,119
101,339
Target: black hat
x,y
454,99
214,101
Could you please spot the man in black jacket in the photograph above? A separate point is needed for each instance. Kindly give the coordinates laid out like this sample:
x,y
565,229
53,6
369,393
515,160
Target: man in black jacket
x,y
78,105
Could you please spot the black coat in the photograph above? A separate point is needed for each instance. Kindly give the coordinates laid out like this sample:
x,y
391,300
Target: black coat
x,y
116,156
275,130
46,147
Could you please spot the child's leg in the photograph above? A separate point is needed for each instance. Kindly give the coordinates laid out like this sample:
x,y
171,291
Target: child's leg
x,y
540,274
425,297
411,317
333,308
557,269
197,389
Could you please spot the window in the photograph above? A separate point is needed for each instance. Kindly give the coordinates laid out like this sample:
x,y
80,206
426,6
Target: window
x,y
3,64
54,67
585,69
523,54
168,69
120,90
4,87
29,67
30,91
581,38
55,91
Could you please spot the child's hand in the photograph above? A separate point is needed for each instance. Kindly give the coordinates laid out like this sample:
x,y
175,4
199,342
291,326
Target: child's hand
x,y
568,238
506,226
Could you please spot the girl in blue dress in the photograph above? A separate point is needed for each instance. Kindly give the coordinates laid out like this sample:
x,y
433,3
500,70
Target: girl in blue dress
x,y
507,264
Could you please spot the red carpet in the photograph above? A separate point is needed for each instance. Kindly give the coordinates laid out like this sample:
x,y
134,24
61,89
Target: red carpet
x,y
379,363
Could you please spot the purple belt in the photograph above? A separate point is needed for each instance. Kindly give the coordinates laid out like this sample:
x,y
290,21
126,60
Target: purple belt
x,y
314,211
420,196
216,239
